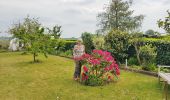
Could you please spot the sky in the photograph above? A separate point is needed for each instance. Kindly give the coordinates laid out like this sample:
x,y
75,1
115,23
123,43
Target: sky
x,y
75,16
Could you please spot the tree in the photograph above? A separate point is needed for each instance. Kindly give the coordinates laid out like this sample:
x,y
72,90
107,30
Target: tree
x,y
118,15
88,42
150,32
55,31
32,35
165,24
136,37
38,42
116,42
21,30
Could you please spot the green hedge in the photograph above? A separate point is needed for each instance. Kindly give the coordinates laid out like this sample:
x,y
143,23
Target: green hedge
x,y
69,44
163,48
4,44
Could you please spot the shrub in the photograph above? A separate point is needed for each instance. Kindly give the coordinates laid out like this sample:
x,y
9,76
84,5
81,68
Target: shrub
x,y
98,68
117,43
98,42
69,45
4,44
88,42
148,56
67,53
133,61
62,47
163,56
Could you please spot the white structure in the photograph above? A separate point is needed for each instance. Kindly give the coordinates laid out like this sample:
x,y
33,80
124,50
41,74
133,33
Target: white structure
x,y
166,79
14,44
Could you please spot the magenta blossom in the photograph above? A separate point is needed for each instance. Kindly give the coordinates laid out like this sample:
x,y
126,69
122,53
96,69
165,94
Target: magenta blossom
x,y
84,76
94,61
100,64
85,69
86,56
108,58
111,67
106,69
100,52
105,53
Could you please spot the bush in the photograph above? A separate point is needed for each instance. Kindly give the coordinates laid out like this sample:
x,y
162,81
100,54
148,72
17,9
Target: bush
x,y
88,42
4,44
67,53
99,68
117,43
93,81
98,42
133,61
148,57
163,57
151,67
69,45
63,47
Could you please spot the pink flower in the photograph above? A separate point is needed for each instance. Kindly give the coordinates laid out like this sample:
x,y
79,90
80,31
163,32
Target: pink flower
x,y
108,58
86,56
105,53
84,76
116,66
109,77
100,62
111,67
85,69
117,69
94,61
100,52
106,69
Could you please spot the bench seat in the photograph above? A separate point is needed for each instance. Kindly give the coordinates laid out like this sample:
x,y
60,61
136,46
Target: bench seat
x,y
165,77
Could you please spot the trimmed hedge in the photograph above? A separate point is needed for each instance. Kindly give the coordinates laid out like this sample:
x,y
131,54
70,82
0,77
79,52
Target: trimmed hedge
x,y
69,44
4,44
163,48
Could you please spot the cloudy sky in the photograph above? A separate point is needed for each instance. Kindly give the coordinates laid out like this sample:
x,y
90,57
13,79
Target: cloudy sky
x,y
75,16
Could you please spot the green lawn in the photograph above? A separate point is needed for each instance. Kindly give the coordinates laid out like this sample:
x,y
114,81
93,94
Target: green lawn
x,y
52,80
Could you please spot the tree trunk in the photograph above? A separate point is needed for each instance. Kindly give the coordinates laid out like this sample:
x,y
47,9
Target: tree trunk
x,y
34,57
137,54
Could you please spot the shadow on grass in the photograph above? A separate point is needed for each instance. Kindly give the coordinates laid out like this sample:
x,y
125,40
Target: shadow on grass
x,y
29,63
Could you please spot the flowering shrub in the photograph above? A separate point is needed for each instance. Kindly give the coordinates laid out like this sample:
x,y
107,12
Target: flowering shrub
x,y
98,68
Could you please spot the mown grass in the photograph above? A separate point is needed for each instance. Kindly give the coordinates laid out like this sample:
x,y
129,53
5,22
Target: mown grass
x,y
52,80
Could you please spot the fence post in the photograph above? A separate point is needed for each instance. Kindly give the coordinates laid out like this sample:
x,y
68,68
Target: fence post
x,y
126,64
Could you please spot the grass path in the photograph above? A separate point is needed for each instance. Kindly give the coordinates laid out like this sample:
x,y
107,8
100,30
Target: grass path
x,y
52,80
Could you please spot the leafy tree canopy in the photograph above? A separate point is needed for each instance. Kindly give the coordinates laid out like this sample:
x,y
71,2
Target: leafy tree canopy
x,y
31,34
117,15
55,31
165,24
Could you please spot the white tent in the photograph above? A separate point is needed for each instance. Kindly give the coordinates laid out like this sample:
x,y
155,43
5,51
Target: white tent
x,y
14,44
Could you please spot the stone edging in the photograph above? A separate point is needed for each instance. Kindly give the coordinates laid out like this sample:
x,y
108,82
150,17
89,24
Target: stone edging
x,y
141,71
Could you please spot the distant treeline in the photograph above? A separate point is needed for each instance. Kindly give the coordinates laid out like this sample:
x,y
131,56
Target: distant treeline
x,y
5,38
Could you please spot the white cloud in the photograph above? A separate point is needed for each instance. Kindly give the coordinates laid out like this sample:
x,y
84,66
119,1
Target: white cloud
x,y
153,11
75,16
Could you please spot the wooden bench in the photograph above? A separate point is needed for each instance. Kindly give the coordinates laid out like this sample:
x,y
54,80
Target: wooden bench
x,y
165,78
